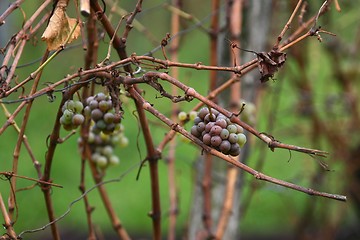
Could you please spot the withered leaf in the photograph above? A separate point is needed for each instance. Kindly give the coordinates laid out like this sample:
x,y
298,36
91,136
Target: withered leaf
x,y
59,29
269,63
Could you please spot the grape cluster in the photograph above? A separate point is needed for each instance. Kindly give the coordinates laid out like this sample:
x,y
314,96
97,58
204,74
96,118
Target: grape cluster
x,y
100,109
217,131
102,146
72,117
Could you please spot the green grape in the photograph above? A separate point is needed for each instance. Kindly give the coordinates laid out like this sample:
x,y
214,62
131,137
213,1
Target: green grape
x,y
192,115
70,105
78,106
102,161
124,141
68,115
114,160
107,150
68,127
182,116
95,156
91,137
232,128
241,139
224,134
239,128
103,106
233,138
78,119
64,120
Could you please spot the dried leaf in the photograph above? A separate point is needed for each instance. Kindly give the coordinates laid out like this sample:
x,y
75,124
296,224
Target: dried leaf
x,y
59,29
269,63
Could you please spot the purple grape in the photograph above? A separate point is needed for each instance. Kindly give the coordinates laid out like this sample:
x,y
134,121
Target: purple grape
x,y
195,132
216,141
206,139
215,130
201,126
225,146
96,114
202,113
235,149
209,118
208,126
221,122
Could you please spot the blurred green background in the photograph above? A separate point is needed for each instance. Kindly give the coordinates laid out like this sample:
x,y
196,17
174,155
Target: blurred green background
x,y
274,210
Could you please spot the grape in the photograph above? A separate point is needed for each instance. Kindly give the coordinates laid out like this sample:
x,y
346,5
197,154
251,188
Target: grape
x,y
64,121
89,99
107,150
68,115
195,132
224,134
104,106
221,122
233,138
124,141
235,149
100,96
207,139
96,114
215,130
201,126
109,118
208,126
70,105
232,128
91,137
202,113
192,115
225,146
182,116
114,160
78,106
216,141
239,128
94,104
209,118
95,156
241,139
78,119
68,127
101,124
87,111
197,120
101,161
214,111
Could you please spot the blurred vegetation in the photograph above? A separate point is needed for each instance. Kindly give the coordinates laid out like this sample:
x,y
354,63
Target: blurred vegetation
x,y
273,209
